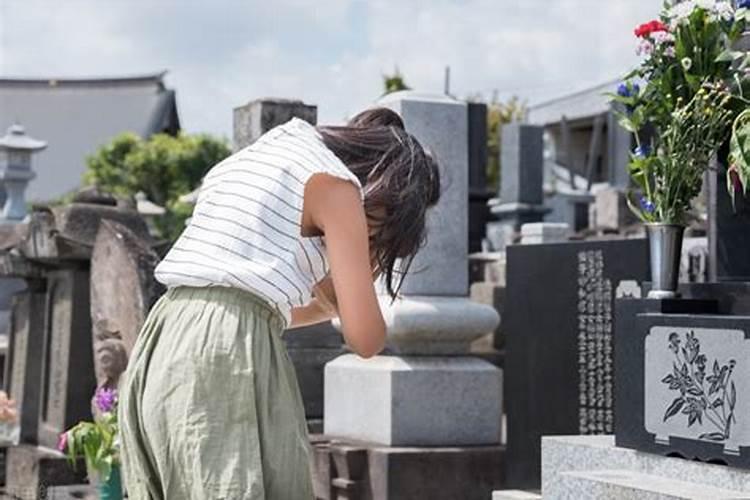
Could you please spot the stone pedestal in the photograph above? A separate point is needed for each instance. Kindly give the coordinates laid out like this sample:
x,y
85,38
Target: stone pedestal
x,y
258,117
413,400
593,467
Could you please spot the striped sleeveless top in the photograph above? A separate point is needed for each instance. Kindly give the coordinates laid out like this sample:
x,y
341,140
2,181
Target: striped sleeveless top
x,y
245,231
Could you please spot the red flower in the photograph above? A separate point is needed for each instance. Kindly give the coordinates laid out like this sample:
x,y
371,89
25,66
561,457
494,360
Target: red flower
x,y
645,30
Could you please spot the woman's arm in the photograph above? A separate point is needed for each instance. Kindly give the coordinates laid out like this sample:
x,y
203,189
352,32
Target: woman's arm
x,y
334,207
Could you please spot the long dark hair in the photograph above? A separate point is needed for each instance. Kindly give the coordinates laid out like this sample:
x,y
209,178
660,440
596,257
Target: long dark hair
x,y
400,179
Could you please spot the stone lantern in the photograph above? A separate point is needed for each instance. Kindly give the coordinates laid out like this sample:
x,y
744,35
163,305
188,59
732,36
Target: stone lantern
x,y
16,149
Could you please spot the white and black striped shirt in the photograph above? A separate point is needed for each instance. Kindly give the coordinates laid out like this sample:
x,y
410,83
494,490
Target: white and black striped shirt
x,y
245,231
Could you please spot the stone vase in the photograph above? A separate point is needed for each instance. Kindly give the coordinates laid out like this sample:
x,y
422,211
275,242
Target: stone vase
x,y
665,246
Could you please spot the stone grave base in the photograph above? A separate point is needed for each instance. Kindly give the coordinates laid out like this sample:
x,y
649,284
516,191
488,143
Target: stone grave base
x,y
32,470
576,467
361,471
413,400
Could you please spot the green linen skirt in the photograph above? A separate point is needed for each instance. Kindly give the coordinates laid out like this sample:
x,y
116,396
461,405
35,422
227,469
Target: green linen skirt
x,y
209,405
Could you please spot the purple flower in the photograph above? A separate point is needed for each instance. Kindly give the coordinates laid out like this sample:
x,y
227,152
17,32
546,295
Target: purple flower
x,y
647,205
106,399
641,151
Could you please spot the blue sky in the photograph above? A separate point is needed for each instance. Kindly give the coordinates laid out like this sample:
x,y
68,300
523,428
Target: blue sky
x,y
223,53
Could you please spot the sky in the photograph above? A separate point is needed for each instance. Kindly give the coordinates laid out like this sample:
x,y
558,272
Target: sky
x,y
220,54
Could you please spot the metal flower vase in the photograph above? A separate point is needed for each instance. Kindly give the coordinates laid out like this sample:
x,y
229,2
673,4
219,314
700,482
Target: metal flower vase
x,y
111,489
665,245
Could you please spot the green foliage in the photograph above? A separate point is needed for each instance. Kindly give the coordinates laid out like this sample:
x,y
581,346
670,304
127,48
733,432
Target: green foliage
x,y
394,82
96,442
499,114
692,99
164,167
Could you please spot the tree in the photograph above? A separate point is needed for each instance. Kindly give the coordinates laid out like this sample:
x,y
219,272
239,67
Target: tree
x,y
394,82
499,114
164,167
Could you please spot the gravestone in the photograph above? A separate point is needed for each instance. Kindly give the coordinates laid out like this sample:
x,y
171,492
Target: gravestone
x,y
68,360
558,325
52,351
309,348
24,364
426,400
521,198
123,289
479,194
728,231
258,117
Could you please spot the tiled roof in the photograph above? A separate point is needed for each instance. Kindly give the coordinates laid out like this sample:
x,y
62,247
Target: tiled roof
x,y
75,116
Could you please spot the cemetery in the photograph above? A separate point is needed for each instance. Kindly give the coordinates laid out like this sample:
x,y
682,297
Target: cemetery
x,y
579,330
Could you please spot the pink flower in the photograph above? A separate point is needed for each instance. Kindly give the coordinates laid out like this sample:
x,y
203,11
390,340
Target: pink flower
x,y
645,48
62,442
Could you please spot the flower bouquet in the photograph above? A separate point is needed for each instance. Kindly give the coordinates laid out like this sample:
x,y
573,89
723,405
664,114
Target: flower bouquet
x,y
98,443
688,97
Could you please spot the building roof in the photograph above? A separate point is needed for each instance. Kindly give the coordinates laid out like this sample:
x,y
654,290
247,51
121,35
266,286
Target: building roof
x,y
76,116
582,104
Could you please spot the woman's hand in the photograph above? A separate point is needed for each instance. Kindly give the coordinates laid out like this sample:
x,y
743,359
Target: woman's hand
x,y
325,293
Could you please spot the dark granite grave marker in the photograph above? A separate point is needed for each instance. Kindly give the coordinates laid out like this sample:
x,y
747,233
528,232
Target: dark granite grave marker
x,y
558,323
728,231
479,195
688,382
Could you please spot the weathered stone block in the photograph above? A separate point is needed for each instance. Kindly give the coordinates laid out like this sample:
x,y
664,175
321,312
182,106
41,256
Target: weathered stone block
x,y
258,117
418,401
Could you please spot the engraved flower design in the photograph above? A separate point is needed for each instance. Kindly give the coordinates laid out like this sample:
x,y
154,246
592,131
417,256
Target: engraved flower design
x,y
711,396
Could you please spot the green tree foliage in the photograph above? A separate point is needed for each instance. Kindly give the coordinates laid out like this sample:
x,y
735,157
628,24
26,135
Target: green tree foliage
x,y
499,114
394,82
164,167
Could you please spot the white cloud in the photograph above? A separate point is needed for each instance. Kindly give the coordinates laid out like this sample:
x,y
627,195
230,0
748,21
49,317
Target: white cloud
x,y
332,53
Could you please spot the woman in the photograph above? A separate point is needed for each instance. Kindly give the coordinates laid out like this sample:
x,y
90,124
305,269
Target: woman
x,y
287,232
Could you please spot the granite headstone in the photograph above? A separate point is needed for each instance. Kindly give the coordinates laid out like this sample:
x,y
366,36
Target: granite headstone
x,y
559,348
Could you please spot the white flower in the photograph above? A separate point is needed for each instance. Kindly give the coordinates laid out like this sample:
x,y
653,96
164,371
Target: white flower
x,y
716,9
687,63
645,48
